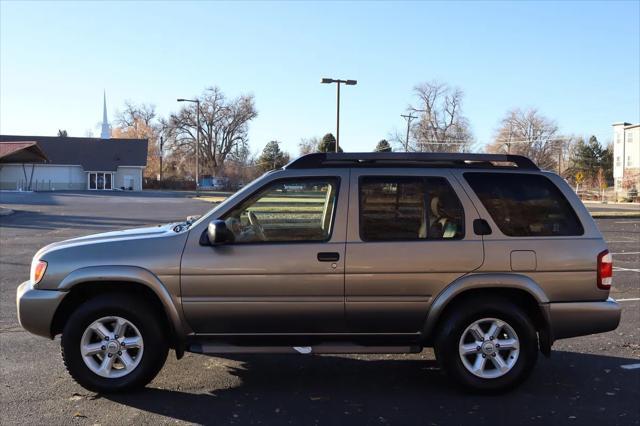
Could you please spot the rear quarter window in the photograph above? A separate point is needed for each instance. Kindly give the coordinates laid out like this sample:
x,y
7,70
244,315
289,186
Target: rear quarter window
x,y
525,205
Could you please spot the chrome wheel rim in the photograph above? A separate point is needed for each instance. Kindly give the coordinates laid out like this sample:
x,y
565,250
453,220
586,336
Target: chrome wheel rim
x,y
489,348
111,347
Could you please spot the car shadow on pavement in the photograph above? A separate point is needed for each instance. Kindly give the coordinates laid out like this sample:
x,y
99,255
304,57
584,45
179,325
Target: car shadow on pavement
x,y
44,221
283,389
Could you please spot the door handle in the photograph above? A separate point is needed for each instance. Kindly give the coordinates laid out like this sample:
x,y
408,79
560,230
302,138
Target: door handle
x,y
328,256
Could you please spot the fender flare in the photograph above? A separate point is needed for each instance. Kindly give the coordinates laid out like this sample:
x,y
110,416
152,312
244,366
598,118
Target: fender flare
x,y
484,281
124,274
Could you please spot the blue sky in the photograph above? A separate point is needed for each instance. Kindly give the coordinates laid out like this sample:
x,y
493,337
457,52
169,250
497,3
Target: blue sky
x,y
578,63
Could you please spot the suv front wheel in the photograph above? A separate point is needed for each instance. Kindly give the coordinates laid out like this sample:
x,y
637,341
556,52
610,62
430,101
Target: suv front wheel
x,y
113,343
487,344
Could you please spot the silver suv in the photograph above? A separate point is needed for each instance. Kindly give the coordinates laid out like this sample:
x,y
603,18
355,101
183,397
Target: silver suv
x,y
483,257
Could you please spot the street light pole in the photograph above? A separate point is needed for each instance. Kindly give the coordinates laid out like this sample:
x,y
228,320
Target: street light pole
x,y
161,152
198,147
197,102
408,118
338,83
338,119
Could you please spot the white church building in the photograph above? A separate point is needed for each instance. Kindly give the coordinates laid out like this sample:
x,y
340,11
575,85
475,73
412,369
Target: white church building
x,y
69,163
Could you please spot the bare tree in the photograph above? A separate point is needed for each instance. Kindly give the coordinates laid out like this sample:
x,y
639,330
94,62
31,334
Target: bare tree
x,y
224,126
139,122
309,145
530,133
133,115
440,127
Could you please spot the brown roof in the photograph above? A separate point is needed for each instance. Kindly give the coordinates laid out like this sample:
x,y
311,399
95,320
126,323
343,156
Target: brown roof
x,y
21,152
93,154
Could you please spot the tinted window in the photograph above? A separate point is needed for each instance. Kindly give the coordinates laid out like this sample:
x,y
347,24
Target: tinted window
x,y
288,210
407,208
524,205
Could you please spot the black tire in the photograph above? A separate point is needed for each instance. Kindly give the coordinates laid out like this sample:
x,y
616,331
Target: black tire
x,y
137,313
466,313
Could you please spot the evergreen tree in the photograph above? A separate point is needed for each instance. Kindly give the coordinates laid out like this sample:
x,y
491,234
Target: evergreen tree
x,y
328,144
606,162
383,146
589,158
272,157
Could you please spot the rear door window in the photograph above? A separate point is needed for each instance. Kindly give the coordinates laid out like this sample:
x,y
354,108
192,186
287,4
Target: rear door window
x,y
525,205
409,208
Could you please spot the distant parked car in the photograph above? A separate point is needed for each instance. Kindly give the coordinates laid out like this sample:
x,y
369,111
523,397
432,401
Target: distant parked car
x,y
292,187
483,257
213,182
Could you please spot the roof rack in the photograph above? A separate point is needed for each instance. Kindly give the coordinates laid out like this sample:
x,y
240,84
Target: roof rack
x,y
412,159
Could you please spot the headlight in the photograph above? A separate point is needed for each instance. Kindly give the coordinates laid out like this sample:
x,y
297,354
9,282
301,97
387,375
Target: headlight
x,y
38,269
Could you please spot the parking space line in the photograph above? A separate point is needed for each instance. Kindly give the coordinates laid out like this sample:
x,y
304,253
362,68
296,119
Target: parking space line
x,y
629,252
630,366
617,268
631,299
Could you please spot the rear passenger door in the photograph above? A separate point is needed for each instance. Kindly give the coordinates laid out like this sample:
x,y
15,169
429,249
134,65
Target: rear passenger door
x,y
409,236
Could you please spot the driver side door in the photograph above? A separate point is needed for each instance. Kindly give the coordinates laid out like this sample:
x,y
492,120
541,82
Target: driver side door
x,y
285,271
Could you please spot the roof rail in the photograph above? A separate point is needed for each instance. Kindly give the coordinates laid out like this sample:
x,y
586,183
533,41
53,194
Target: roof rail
x,y
411,159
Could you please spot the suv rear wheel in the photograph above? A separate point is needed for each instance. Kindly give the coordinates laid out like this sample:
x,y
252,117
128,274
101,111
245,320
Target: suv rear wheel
x,y
487,344
113,343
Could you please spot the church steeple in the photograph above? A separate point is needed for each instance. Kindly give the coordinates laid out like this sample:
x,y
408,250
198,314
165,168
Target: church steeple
x,y
106,129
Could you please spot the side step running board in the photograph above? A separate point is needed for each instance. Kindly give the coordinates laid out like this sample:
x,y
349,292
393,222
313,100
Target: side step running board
x,y
324,348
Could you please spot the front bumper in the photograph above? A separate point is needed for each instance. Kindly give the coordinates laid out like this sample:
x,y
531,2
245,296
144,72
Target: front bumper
x,y
573,319
36,308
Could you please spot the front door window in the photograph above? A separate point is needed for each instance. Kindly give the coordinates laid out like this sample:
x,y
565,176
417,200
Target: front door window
x,y
286,211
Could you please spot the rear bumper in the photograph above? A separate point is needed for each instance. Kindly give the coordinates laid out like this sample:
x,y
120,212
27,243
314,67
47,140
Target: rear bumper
x,y
36,308
582,318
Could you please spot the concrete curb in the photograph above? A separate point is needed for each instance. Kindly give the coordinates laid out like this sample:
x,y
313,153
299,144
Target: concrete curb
x,y
611,203
210,199
616,215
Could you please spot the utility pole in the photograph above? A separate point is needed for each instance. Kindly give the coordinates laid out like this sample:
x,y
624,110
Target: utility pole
x,y
408,118
559,154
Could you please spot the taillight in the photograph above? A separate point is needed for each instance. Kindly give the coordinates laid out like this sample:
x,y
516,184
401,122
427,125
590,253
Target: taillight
x,y
605,270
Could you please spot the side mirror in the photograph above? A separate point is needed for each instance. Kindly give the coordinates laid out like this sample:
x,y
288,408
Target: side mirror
x,y
481,227
216,234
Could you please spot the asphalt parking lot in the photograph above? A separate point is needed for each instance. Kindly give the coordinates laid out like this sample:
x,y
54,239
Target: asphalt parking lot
x,y
586,381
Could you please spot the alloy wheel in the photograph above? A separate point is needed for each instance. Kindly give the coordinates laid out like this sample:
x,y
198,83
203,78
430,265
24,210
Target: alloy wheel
x,y
111,347
489,348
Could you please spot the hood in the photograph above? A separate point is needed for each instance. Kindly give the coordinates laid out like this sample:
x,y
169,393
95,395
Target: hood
x,y
105,237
